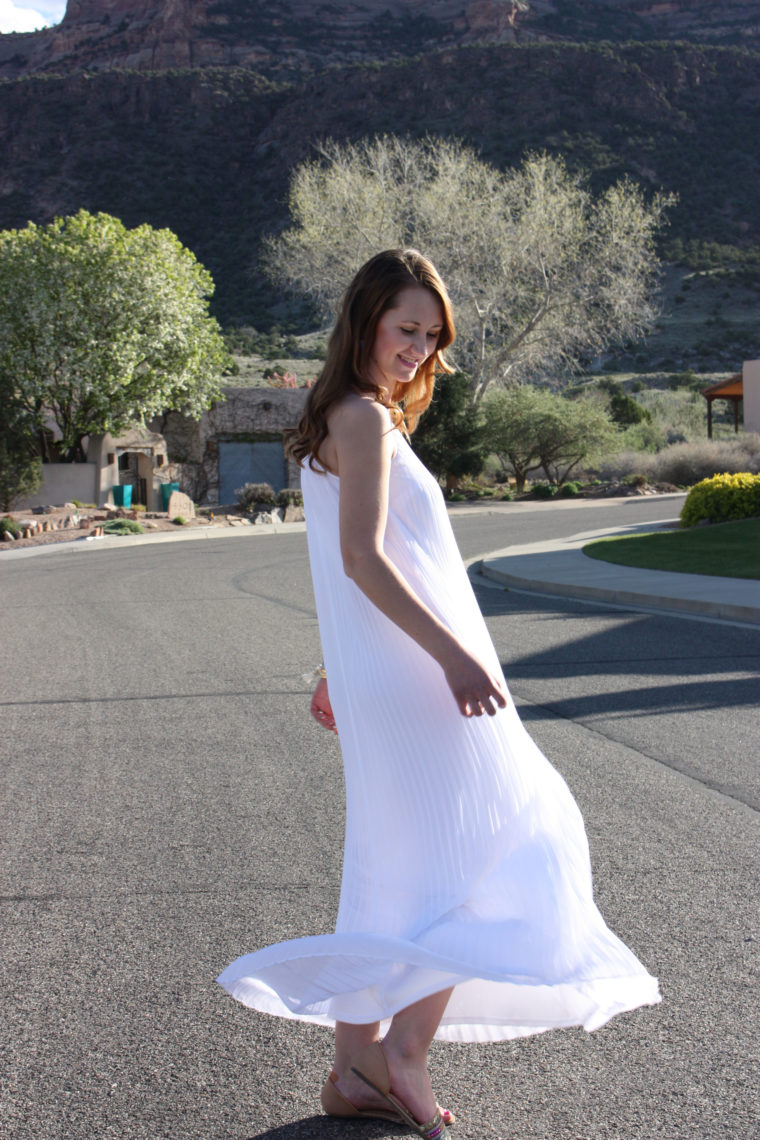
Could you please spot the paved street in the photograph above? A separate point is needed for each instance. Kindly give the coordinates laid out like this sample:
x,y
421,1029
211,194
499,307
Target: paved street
x,y
167,804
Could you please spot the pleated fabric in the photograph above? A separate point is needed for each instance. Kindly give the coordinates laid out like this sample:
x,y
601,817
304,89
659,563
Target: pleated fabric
x,y
466,862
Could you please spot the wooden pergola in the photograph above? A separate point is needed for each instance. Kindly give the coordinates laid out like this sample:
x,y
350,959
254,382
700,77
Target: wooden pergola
x,y
731,389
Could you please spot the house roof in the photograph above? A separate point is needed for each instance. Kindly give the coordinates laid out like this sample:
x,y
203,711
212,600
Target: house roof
x,y
730,389
139,439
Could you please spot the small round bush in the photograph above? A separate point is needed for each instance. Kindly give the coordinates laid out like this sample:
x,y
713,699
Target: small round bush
x,y
251,495
506,496
178,520
722,499
543,490
457,497
636,479
122,526
569,489
11,526
290,497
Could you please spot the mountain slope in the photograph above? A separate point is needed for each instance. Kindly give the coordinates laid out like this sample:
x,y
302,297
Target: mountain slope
x,y
208,153
308,34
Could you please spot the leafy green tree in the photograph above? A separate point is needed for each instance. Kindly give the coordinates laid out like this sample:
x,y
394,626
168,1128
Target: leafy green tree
x,y
101,326
448,438
542,274
20,464
577,430
531,429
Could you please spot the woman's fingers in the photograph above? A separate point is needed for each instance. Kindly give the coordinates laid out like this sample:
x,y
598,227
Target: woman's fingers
x,y
321,708
476,692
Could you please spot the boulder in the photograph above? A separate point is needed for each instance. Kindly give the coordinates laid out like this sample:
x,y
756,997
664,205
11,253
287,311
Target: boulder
x,y
267,518
180,506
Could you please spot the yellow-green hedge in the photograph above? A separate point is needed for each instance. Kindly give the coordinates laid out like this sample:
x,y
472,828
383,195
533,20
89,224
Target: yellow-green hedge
x,y
722,499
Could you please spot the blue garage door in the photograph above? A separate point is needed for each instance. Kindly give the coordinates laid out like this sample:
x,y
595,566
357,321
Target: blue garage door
x,y
241,463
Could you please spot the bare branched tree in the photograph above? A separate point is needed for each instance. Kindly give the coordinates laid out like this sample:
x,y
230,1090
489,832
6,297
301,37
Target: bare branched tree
x,y
542,274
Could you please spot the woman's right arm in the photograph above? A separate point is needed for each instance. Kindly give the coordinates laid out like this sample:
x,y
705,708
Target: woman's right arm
x,y
363,439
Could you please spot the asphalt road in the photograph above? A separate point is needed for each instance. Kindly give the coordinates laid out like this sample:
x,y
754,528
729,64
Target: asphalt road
x,y
167,804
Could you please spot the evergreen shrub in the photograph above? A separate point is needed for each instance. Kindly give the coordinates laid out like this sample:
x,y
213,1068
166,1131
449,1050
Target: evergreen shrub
x,y
10,525
723,498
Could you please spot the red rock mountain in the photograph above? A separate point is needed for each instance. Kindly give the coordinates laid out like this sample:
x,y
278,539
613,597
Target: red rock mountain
x,y
161,34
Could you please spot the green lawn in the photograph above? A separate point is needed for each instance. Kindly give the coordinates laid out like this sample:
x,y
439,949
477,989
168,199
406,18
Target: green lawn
x,y
731,550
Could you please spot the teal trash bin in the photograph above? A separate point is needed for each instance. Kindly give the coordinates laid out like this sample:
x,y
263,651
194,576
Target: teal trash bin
x,y
122,495
166,493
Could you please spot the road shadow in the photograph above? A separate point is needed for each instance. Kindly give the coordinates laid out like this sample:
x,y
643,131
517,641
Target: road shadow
x,y
325,1128
683,659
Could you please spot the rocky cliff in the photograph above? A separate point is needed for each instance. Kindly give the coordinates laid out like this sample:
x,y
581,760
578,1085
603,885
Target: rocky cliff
x,y
297,34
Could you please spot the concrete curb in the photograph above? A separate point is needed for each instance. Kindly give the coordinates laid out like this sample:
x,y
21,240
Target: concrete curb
x,y
695,607
120,541
563,570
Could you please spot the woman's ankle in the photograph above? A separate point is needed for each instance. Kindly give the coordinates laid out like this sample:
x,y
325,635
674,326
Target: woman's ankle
x,y
406,1052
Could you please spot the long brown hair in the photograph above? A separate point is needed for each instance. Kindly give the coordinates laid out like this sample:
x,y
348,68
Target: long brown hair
x,y
372,292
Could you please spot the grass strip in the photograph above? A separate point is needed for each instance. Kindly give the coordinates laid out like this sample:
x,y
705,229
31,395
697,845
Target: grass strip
x,y
730,550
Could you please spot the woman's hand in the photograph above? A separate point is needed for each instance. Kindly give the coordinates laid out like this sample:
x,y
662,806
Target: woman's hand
x,y
475,690
321,709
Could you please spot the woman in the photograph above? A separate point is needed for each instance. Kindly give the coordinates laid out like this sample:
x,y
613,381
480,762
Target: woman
x,y
466,910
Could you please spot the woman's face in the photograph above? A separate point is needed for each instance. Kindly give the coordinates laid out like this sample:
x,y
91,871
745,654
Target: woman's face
x,y
406,335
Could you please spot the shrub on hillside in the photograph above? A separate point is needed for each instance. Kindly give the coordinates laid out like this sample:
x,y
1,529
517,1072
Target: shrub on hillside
x,y
10,525
620,466
723,498
687,463
679,414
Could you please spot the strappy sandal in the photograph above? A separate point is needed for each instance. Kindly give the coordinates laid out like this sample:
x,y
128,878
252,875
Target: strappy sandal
x,y
372,1068
335,1103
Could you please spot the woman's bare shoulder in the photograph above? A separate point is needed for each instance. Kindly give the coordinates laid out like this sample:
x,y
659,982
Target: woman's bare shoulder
x,y
358,414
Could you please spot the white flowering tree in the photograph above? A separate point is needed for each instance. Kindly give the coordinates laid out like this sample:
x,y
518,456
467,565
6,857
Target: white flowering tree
x,y
101,326
542,274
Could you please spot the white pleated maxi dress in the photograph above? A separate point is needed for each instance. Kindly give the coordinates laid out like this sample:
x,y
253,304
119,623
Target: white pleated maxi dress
x,y
466,862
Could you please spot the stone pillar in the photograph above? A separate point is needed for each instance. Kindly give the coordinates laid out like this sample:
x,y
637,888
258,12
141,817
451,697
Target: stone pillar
x,y
100,448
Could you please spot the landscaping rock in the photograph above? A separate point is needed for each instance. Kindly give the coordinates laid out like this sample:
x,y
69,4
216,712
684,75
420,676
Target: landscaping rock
x,y
180,505
8,537
267,518
294,514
